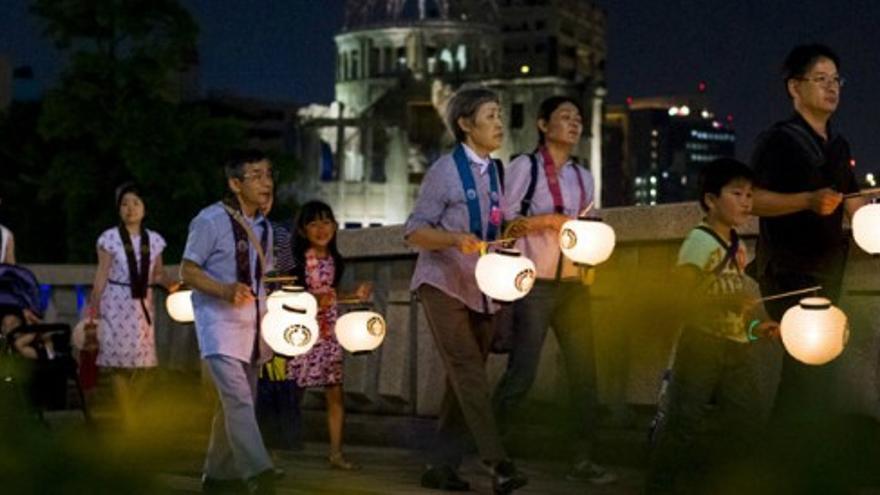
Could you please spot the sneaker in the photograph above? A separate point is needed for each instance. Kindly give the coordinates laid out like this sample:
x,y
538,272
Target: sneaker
x,y
590,472
262,484
506,478
444,478
213,486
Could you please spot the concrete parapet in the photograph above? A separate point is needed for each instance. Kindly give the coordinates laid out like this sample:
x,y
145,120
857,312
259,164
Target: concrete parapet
x,y
632,337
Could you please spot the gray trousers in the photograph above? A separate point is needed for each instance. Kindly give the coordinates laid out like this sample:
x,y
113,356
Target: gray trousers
x,y
462,336
236,449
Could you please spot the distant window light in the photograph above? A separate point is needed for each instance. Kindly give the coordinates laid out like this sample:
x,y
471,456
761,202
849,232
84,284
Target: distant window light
x,y
697,146
713,136
446,58
461,57
524,69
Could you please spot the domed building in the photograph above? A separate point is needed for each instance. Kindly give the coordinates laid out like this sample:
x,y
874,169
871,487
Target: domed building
x,y
397,63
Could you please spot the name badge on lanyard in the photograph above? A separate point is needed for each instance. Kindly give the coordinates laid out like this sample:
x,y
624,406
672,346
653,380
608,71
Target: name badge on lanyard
x,y
462,164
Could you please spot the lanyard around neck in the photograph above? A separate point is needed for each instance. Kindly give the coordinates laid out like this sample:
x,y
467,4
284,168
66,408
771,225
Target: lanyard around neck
x,y
462,163
259,245
553,182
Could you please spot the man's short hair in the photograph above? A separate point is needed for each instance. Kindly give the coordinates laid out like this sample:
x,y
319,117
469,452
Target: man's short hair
x,y
719,173
465,103
802,57
237,160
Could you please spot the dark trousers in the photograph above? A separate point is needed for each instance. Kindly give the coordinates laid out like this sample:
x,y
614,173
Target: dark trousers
x,y
804,426
805,391
278,413
706,367
565,307
462,337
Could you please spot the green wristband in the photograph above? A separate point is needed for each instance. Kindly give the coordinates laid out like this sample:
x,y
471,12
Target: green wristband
x,y
751,336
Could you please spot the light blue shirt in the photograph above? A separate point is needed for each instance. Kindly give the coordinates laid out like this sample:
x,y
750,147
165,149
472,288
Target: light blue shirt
x,y
221,327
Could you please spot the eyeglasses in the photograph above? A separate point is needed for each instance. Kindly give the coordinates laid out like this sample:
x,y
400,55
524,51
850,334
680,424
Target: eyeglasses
x,y
825,81
260,176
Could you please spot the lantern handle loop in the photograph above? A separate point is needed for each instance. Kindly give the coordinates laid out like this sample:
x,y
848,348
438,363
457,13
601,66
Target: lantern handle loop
x,y
499,241
783,295
864,192
586,209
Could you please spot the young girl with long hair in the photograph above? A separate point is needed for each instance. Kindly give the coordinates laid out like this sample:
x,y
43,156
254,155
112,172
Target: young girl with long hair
x,y
318,266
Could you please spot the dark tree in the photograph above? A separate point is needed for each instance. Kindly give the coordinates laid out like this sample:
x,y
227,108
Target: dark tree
x,y
116,115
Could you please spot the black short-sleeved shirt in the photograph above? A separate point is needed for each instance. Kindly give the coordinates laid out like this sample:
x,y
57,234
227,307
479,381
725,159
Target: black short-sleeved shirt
x,y
789,158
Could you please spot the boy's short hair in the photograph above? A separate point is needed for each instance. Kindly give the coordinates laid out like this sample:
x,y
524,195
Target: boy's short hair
x,y
719,173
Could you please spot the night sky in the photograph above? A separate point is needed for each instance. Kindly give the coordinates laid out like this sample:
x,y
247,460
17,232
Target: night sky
x,y
284,50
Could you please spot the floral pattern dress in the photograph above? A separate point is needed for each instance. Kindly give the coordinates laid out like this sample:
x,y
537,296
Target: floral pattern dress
x,y
322,365
125,338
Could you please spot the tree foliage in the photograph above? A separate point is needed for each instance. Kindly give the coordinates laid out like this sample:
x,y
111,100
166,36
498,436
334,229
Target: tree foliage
x,y
116,115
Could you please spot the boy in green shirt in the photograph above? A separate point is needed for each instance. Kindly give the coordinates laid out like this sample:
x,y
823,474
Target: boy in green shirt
x,y
712,355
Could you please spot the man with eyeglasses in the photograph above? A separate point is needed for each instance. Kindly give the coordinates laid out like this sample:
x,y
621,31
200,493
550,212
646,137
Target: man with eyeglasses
x,y
227,252
803,170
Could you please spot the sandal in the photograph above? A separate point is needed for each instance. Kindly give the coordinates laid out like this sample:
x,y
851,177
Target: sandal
x,y
338,461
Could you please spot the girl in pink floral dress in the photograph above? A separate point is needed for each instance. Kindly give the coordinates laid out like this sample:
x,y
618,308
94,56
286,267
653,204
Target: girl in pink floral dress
x,y
318,266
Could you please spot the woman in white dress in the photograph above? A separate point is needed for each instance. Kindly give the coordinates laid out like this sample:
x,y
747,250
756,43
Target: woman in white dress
x,y
129,262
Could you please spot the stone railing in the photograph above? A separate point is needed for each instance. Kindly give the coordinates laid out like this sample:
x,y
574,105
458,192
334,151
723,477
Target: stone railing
x,y
633,337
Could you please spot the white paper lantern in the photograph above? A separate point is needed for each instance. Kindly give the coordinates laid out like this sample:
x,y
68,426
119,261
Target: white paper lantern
x,y
505,275
180,307
289,331
293,296
587,241
360,331
866,228
814,331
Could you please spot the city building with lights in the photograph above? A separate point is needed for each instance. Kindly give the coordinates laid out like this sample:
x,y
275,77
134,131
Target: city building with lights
x,y
655,147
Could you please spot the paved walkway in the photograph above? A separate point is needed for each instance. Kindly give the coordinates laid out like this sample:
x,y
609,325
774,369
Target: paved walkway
x,y
388,471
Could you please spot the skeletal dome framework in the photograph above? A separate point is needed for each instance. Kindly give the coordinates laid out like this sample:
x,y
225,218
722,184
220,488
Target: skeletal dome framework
x,y
368,13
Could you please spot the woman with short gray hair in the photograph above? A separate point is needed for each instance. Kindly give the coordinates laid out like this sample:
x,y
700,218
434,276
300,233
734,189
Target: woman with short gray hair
x,y
459,208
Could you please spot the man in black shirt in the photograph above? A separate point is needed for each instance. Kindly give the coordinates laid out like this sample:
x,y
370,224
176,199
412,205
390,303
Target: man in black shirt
x,y
803,171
